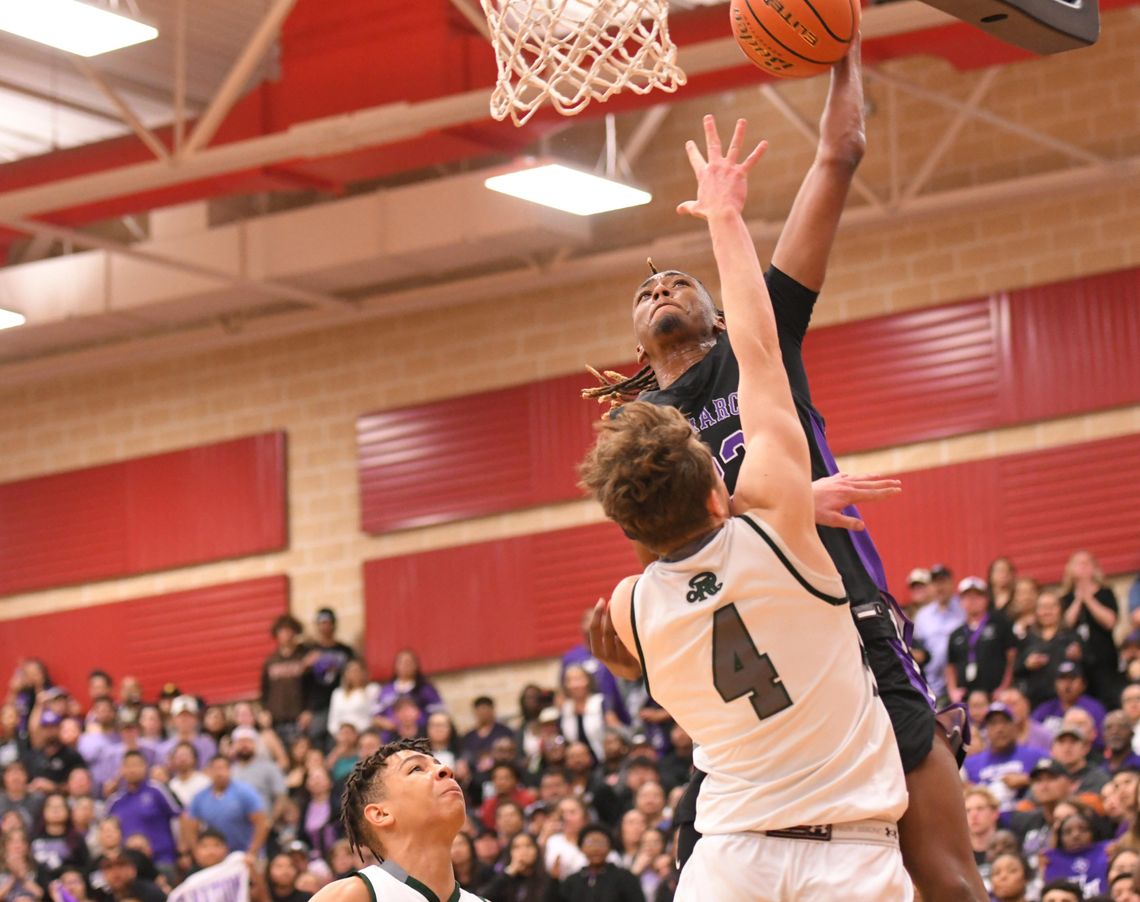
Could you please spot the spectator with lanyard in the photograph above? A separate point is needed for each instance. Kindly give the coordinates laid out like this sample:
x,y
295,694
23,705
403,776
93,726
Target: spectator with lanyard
x,y
1091,612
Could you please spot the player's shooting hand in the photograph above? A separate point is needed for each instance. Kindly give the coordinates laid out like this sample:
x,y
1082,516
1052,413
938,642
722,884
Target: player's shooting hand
x,y
833,494
722,178
606,646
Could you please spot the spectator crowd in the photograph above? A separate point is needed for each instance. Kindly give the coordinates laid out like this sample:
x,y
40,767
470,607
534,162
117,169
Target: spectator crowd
x,y
571,797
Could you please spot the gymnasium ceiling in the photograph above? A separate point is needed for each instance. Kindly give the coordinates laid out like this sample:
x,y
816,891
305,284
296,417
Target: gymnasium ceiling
x,y
272,166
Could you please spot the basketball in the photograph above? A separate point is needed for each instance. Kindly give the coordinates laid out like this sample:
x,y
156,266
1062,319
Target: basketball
x,y
794,38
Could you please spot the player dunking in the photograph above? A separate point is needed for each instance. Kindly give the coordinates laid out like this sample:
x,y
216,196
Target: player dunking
x,y
405,808
732,622
690,365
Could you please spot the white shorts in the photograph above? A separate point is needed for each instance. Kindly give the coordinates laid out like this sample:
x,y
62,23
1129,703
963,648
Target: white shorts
x,y
860,863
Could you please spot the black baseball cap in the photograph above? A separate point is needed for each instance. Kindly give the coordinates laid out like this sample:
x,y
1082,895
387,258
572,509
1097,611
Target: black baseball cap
x,y
1070,670
940,571
1048,766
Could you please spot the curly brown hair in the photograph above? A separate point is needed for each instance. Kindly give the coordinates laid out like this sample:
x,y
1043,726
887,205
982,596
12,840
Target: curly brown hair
x,y
651,474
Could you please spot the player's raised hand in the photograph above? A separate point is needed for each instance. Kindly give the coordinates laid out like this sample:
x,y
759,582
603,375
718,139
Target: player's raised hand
x,y
722,176
834,494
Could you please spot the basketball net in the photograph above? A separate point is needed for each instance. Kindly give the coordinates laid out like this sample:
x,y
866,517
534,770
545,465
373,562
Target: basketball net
x,y
571,52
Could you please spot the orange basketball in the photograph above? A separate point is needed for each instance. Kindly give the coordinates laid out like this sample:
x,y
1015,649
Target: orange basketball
x,y
794,38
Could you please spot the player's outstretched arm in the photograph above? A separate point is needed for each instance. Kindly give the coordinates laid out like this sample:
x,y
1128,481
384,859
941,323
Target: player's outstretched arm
x,y
809,232
776,474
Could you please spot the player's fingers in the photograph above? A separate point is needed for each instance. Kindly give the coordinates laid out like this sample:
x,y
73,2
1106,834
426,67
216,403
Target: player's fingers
x,y
753,158
695,159
712,139
842,521
858,495
688,208
737,141
595,632
874,481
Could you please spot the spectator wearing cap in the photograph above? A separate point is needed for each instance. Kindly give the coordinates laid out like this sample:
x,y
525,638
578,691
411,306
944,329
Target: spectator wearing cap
x,y
1045,647
18,797
1091,612
600,880
51,760
1071,747
184,715
258,771
934,624
1033,820
285,678
477,742
186,777
147,807
326,659
1070,688
920,593
506,787
980,652
408,681
232,808
120,875
1004,767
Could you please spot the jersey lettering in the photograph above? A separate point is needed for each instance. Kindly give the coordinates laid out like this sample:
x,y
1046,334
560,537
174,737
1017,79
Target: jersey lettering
x,y
739,669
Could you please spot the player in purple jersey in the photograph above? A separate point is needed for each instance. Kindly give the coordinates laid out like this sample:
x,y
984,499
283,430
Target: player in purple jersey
x,y
690,365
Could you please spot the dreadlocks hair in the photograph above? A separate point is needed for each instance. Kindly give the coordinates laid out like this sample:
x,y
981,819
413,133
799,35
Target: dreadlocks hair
x,y
361,788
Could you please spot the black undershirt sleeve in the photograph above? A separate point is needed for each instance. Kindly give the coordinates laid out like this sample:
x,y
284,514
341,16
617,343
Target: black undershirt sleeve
x,y
792,304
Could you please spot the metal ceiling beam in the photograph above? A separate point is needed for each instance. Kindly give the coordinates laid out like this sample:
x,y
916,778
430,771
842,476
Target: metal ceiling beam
x,y
276,290
581,269
238,76
1072,150
946,140
125,112
374,126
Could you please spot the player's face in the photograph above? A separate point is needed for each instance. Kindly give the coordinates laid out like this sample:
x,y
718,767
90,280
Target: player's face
x,y
420,790
669,309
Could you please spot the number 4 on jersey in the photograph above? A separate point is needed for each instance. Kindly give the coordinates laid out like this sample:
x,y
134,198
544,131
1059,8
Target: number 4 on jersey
x,y
739,669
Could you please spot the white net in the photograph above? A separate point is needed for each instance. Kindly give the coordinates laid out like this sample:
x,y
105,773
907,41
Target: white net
x,y
571,52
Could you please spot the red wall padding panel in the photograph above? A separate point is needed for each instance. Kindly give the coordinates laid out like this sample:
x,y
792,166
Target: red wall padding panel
x,y
1030,355
184,507
210,641
475,455
506,600
1037,508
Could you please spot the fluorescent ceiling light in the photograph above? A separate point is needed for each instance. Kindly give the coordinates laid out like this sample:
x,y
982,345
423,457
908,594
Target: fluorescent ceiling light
x,y
9,319
570,190
69,25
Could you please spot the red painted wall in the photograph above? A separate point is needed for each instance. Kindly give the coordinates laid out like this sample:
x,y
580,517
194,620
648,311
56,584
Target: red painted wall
x,y
1037,508
507,600
202,504
210,641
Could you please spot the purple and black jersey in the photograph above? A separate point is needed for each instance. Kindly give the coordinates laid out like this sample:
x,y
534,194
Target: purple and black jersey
x,y
706,393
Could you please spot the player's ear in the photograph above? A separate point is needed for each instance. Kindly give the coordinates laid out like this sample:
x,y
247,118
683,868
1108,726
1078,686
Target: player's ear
x,y
641,355
718,502
719,325
379,814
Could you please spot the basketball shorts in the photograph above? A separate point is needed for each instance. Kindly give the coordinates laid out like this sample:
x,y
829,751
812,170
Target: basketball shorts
x,y
858,861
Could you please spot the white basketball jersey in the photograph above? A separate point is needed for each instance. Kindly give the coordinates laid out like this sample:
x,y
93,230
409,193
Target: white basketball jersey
x,y
388,882
758,659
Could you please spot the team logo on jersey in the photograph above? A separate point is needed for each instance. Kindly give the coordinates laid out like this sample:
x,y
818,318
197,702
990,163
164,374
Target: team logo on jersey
x,y
704,586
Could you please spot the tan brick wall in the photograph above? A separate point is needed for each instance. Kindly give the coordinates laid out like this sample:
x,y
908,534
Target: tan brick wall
x,y
315,385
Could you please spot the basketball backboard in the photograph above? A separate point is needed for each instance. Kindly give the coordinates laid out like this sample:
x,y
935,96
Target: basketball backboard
x,y
1040,26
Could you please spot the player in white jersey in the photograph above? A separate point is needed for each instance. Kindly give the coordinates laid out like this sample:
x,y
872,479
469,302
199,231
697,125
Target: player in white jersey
x,y
405,808
740,626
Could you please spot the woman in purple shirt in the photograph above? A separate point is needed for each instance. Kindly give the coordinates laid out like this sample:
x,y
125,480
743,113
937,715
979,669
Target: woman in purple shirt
x,y
408,680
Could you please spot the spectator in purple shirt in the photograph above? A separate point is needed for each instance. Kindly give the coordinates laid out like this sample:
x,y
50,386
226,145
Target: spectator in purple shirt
x,y
99,739
1077,856
1070,685
476,745
146,807
1004,767
130,740
605,681
408,680
184,713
